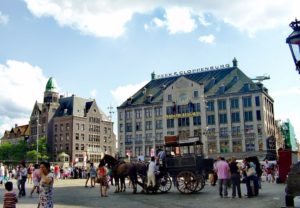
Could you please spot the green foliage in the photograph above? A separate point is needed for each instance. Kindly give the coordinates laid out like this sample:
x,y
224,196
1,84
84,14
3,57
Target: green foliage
x,y
23,151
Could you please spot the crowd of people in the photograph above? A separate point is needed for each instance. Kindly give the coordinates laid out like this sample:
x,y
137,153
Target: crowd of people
x,y
232,173
41,177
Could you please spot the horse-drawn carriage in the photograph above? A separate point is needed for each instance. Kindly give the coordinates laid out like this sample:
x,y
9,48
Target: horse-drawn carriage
x,y
181,160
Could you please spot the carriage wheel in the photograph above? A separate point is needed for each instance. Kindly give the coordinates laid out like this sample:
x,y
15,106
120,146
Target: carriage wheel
x,y
201,183
186,182
165,184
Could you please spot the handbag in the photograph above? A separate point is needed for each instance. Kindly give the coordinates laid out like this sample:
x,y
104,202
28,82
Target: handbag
x,y
251,172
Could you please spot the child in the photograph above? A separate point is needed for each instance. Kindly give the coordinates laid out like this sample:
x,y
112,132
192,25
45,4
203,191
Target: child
x,y
102,173
10,197
36,177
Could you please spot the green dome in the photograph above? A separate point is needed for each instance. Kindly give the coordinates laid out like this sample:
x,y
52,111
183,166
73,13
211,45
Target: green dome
x,y
51,85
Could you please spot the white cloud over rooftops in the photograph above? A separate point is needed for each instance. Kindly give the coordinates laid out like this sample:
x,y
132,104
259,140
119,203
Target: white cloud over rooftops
x,y
122,93
21,84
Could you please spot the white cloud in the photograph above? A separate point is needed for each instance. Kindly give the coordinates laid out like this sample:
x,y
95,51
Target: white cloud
x,y
94,93
179,20
122,93
21,84
203,21
294,91
210,39
158,22
3,19
108,18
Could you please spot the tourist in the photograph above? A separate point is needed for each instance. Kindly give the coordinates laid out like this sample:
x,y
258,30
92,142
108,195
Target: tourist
x,y
88,168
29,173
56,171
22,178
222,169
235,178
10,198
151,172
102,175
93,175
46,186
36,177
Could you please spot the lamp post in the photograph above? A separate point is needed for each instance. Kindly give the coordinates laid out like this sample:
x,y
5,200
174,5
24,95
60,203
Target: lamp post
x,y
37,141
294,43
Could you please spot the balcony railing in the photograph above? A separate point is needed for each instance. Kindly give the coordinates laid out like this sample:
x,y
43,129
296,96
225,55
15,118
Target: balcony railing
x,y
139,141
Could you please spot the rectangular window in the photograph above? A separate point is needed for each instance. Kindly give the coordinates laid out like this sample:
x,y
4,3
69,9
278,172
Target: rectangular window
x,y
138,113
197,120
120,115
82,137
196,107
257,101
248,116
128,115
82,146
223,118
235,117
67,136
234,103
250,145
222,104
148,112
67,126
170,123
183,122
158,111
211,120
82,127
247,103
128,127
158,124
77,136
77,126
61,137
237,146
148,125
196,94
224,146
224,132
169,98
61,127
76,146
55,128
121,128
258,116
210,106
138,126
236,131
259,129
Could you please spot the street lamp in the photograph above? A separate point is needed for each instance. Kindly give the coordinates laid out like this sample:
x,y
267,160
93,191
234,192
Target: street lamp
x,y
294,42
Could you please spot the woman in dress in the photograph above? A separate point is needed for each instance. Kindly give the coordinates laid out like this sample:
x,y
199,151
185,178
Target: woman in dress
x,y
46,186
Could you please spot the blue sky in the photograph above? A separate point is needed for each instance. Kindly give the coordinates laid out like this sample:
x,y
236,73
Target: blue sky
x,y
108,49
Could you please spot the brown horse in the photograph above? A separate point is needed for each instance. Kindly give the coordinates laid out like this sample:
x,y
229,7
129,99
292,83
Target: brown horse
x,y
120,171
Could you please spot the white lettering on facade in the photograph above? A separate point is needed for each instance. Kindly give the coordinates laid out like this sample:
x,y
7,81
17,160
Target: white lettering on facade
x,y
192,71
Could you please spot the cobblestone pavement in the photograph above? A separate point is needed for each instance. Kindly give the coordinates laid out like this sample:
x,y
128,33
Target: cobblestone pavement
x,y
72,193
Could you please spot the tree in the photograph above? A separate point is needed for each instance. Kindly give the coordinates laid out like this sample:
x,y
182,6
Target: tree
x,y
42,154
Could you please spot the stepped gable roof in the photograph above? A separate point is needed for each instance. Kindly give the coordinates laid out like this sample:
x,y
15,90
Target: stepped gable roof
x,y
224,81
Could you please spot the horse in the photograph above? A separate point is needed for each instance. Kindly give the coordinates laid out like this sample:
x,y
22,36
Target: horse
x,y
120,171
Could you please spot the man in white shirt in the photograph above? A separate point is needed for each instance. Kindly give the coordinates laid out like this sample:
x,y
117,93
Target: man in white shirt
x,y
151,172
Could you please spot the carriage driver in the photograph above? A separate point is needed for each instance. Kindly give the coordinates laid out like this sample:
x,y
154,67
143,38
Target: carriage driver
x,y
152,171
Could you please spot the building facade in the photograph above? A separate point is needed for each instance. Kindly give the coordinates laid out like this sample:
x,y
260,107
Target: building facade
x,y
221,105
288,133
16,134
72,125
